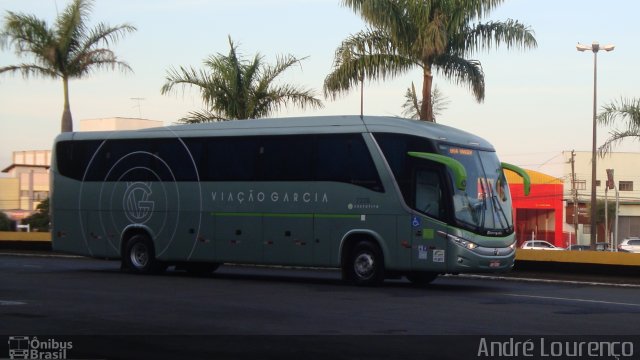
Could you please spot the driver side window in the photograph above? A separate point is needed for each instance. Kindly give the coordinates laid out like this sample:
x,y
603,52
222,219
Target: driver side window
x,y
428,193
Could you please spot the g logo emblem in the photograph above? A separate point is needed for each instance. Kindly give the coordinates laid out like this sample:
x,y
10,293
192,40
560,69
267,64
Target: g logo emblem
x,y
136,202
141,182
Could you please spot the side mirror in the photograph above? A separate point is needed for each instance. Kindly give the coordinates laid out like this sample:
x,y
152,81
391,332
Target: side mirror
x,y
522,173
456,167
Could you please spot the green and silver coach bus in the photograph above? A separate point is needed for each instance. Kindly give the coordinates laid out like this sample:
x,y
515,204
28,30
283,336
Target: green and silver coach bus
x,y
378,197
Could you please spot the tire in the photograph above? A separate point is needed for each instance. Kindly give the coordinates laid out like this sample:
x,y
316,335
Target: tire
x,y
201,268
139,256
421,278
365,264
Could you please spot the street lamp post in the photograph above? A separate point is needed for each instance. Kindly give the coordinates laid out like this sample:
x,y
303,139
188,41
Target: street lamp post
x,y
595,47
611,184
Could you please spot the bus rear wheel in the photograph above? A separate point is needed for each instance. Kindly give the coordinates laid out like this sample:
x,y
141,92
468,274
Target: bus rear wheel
x,y
365,265
139,256
421,278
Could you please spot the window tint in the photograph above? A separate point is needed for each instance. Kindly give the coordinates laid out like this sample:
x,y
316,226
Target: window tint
x,y
125,160
142,160
346,158
171,155
428,193
230,159
395,148
286,158
121,160
336,157
72,157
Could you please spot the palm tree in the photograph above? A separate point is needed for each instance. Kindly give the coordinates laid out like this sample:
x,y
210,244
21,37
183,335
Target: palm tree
x,y
412,105
68,50
233,88
434,35
626,111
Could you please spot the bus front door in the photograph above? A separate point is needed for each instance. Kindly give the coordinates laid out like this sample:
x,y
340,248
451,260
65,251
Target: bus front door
x,y
429,232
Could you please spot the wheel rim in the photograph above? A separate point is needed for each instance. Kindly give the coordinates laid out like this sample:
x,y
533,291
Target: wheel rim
x,y
139,255
364,266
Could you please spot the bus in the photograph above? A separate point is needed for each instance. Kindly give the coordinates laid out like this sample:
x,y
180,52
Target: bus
x,y
377,197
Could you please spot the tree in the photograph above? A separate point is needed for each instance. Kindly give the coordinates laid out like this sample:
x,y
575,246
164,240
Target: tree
x,y
626,111
233,88
411,107
68,50
434,35
39,220
5,222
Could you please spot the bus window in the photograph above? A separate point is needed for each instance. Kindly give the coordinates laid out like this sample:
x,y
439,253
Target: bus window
x,y
286,158
240,166
345,158
428,193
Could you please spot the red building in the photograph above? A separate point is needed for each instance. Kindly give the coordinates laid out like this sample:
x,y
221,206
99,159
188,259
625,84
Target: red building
x,y
539,215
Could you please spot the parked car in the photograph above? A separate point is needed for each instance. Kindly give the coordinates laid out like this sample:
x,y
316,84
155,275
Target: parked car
x,y
631,244
579,247
603,246
539,245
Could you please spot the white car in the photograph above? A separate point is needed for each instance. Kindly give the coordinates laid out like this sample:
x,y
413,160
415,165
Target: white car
x,y
631,244
539,245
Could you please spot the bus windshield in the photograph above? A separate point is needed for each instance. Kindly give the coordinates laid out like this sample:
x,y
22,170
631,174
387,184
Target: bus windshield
x,y
484,207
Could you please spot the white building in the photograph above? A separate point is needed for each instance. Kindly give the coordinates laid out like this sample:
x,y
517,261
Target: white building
x,y
117,123
626,175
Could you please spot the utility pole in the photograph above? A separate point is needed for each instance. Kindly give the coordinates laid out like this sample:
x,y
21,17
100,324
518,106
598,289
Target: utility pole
x,y
574,193
611,184
606,211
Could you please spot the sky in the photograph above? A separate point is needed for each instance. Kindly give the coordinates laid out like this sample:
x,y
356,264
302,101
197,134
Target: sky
x,y
538,102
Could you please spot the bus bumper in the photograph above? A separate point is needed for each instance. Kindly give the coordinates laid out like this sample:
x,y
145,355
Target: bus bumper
x,y
481,259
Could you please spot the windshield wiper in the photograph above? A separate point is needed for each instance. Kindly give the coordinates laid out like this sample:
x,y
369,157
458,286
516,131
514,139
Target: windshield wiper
x,y
484,209
500,209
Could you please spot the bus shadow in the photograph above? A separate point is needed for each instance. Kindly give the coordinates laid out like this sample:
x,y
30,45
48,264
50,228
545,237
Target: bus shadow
x,y
324,280
327,279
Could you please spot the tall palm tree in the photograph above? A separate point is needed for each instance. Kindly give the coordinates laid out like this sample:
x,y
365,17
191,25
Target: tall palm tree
x,y
412,105
233,88
626,111
434,35
67,50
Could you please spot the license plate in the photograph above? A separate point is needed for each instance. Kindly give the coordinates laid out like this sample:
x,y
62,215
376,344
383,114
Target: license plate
x,y
494,263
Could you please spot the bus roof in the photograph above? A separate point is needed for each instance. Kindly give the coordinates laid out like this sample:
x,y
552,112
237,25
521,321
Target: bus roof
x,y
297,125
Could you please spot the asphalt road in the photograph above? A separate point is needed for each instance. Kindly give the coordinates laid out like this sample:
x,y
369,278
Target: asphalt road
x,y
235,312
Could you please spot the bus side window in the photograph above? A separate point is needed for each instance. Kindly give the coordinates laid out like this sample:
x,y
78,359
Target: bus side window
x,y
428,193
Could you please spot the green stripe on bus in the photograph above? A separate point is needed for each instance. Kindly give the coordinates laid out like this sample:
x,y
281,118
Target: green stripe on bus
x,y
338,216
286,215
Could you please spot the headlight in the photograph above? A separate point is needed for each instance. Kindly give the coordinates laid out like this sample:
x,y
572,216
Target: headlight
x,y
469,245
462,242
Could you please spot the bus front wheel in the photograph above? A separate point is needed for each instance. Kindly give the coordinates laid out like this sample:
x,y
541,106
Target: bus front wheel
x,y
139,256
365,265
